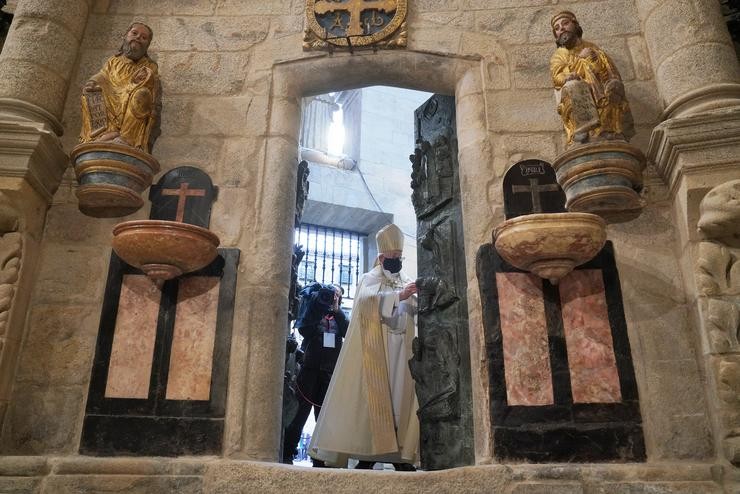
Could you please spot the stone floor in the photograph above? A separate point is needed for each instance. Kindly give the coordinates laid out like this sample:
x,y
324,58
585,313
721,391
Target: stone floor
x,y
86,475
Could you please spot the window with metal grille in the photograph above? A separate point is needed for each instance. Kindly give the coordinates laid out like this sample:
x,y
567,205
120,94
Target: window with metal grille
x,y
345,274
331,256
309,272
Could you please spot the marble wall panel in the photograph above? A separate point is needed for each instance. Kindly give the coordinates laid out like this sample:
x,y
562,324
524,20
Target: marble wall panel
x,y
191,359
524,331
133,340
588,337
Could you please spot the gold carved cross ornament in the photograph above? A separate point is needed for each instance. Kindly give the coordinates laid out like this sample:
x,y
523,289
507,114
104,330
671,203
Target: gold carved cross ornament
x,y
376,32
355,9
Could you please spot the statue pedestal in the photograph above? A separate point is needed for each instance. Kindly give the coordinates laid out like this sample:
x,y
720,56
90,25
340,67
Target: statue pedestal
x,y
602,178
164,249
550,245
111,177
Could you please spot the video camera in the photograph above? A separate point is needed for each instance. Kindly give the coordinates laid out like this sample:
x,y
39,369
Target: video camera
x,y
324,295
317,300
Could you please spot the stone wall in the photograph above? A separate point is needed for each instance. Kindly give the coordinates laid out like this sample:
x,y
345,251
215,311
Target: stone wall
x,y
233,73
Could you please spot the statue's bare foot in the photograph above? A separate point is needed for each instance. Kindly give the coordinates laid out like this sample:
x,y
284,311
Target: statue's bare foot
x,y
122,141
581,137
108,136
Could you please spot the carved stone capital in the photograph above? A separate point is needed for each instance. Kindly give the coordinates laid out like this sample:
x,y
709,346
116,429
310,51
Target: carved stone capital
x,y
12,109
703,145
31,151
707,98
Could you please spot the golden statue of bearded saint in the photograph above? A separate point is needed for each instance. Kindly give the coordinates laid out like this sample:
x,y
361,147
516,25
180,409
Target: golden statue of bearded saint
x,y
119,103
589,90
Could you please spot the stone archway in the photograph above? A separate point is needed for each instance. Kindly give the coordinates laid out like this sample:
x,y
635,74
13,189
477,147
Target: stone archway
x,y
253,427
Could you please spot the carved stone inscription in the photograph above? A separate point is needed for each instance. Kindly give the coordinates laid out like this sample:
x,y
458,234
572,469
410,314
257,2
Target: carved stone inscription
x,y
441,362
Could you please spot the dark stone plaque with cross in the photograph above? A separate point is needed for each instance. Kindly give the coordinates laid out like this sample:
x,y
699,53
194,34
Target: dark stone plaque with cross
x,y
530,186
159,378
183,194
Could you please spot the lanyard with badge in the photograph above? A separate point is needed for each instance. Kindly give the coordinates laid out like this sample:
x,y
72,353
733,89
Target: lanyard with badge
x,y
330,336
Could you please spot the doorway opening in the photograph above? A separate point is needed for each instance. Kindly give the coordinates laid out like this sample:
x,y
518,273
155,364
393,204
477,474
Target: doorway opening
x,y
357,145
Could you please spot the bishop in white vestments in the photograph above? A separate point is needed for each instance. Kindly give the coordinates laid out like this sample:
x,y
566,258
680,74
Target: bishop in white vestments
x,y
369,412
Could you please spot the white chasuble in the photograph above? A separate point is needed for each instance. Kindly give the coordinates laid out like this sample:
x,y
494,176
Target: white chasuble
x,y
369,412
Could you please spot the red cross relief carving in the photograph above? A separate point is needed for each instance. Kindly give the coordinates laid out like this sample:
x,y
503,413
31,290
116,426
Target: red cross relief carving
x,y
183,192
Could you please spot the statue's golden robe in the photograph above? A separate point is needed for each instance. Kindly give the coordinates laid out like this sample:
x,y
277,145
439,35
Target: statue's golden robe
x,y
129,90
604,85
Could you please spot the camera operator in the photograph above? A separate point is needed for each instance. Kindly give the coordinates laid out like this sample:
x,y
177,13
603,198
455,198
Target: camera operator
x,y
323,326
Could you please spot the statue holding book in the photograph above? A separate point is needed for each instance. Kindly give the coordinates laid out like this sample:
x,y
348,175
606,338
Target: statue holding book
x,y
119,102
120,110
600,172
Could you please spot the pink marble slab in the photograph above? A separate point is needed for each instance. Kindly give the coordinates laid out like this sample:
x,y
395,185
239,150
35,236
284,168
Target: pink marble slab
x,y
524,333
130,366
593,369
194,336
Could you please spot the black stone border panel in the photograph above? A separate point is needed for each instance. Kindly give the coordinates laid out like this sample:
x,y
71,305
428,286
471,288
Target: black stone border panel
x,y
111,424
563,431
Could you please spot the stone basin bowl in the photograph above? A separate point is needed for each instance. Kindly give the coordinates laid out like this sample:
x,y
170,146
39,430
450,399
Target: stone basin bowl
x,y
550,245
111,178
164,249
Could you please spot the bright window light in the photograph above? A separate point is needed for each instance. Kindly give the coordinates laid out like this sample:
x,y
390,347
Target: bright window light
x,y
336,134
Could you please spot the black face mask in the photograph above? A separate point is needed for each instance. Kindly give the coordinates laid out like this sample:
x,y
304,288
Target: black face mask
x,y
392,265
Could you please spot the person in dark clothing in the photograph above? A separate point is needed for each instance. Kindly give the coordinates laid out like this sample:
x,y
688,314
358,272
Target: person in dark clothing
x,y
323,326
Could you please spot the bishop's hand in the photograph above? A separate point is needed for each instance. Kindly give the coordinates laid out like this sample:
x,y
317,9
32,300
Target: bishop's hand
x,y
407,291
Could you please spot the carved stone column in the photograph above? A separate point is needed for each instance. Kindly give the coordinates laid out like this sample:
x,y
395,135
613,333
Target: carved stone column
x,y
36,66
254,407
698,77
697,156
38,60
31,166
693,57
